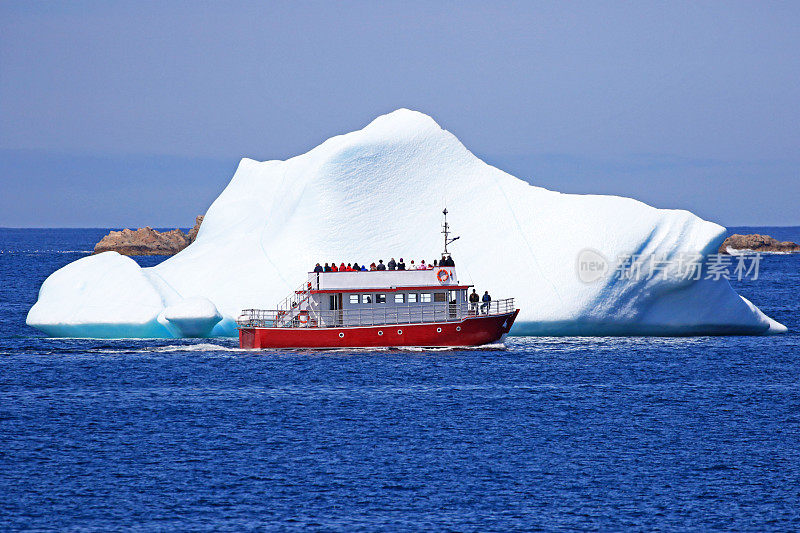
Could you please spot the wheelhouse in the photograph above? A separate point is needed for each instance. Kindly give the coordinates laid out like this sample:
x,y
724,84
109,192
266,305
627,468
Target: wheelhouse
x,y
381,297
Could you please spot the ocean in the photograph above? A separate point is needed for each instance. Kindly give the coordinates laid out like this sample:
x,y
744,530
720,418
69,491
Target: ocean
x,y
549,433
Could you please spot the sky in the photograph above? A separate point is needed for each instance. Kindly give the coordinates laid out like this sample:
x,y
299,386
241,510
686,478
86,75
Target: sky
x,y
116,114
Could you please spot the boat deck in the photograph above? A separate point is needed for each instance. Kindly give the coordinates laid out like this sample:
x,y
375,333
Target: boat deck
x,y
377,315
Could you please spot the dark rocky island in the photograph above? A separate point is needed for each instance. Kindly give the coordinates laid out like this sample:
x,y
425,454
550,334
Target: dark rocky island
x,y
147,241
758,243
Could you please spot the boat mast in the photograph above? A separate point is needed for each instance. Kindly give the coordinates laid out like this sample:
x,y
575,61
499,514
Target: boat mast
x,y
446,231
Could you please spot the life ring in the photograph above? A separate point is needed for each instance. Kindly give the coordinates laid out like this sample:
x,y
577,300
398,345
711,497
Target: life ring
x,y
303,318
442,275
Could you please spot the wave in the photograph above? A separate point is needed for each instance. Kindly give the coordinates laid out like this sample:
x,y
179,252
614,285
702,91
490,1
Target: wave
x,y
748,251
145,346
46,251
484,347
201,347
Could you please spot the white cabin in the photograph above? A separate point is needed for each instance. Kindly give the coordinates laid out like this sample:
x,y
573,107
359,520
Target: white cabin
x,y
336,299
384,296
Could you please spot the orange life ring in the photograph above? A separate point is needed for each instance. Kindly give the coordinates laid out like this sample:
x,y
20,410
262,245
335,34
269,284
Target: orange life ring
x,y
442,275
303,318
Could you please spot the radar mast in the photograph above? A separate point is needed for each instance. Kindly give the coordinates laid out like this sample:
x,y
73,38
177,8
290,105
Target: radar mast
x,y
446,232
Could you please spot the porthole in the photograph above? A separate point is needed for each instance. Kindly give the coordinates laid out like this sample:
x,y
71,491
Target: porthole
x,y
341,335
458,328
380,332
399,331
438,330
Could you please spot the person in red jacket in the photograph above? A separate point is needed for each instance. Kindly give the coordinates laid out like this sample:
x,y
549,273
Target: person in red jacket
x,y
334,268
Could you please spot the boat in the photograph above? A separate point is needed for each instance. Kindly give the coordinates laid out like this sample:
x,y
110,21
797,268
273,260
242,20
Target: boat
x,y
380,309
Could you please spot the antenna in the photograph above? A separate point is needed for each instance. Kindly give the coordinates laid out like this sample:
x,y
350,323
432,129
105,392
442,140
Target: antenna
x,y
446,231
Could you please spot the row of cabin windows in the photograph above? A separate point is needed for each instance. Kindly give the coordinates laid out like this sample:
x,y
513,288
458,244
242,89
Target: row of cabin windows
x,y
399,298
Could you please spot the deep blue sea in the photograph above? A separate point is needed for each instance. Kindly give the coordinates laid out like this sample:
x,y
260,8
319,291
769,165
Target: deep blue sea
x,y
551,433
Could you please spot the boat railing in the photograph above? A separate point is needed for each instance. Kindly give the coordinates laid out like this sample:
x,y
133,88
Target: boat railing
x,y
296,299
374,315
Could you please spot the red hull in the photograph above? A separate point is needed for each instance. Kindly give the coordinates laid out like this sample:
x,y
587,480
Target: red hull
x,y
472,331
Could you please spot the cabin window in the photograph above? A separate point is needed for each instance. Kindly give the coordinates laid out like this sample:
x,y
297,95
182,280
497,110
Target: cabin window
x,y
380,298
412,298
425,298
354,298
366,298
399,298
440,297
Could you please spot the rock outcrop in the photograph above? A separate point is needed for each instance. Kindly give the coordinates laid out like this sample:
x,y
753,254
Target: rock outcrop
x,y
757,243
147,241
193,232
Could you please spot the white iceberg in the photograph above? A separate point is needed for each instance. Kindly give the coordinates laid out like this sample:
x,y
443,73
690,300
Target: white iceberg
x,y
379,192
109,296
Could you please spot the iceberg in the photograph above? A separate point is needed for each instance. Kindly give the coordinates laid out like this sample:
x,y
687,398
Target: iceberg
x,y
378,192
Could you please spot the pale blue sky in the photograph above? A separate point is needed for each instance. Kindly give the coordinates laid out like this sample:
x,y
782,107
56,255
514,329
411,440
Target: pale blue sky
x,y
122,114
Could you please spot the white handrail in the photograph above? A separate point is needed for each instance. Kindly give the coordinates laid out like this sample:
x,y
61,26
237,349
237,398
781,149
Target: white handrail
x,y
375,315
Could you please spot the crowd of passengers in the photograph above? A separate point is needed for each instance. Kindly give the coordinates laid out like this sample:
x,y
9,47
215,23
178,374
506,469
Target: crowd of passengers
x,y
445,261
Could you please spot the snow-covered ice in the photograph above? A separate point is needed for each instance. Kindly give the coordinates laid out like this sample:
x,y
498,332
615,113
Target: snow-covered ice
x,y
193,317
377,193
105,295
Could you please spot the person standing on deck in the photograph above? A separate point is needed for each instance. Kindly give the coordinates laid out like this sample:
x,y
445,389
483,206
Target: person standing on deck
x,y
392,264
401,265
487,301
473,302
318,268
